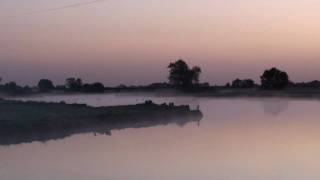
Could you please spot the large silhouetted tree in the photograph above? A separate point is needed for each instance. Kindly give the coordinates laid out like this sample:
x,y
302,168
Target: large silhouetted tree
x,y
181,75
274,79
45,85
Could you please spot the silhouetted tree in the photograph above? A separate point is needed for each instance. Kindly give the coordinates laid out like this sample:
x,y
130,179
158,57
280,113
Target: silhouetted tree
x,y
236,83
74,84
122,86
95,87
162,85
13,89
311,84
181,75
195,74
274,79
45,85
11,86
246,83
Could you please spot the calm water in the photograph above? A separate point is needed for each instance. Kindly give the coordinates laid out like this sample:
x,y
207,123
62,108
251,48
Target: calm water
x,y
238,139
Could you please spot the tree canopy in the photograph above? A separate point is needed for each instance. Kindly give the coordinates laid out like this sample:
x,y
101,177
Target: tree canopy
x,y
94,88
13,89
274,79
246,83
45,85
181,75
74,84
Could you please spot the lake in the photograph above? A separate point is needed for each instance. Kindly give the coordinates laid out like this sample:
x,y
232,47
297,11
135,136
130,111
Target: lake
x,y
237,139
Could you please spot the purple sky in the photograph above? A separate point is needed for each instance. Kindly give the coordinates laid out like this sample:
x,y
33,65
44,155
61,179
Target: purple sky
x,y
132,42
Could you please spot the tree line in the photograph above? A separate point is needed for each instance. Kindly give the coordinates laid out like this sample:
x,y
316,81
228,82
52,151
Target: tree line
x,y
72,85
181,76
46,85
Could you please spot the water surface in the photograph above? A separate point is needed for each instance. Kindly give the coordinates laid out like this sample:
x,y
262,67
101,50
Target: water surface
x,y
238,138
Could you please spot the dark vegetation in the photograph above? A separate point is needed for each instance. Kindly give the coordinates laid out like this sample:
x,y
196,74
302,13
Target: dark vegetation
x,y
181,77
12,88
37,121
311,85
246,83
274,79
45,85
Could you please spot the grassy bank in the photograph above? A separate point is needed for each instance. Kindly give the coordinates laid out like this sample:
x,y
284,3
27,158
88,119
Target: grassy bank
x,y
31,121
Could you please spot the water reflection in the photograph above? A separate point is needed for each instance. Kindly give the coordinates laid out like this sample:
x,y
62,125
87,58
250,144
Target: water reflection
x,y
17,136
275,106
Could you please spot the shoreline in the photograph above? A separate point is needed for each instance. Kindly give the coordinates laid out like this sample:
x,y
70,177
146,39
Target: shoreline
x,y
22,122
216,92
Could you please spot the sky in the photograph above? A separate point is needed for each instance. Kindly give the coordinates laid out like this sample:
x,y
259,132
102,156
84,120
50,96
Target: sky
x,y
132,42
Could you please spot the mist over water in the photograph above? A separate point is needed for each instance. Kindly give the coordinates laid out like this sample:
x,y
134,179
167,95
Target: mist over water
x,y
239,138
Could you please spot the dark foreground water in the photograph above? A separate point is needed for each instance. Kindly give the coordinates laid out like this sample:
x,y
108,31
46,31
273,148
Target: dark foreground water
x,y
237,139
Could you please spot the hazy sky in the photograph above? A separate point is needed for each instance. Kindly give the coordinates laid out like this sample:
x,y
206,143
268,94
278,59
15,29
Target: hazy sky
x,y
132,42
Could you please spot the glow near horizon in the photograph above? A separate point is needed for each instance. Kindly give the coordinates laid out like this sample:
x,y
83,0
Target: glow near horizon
x,y
132,42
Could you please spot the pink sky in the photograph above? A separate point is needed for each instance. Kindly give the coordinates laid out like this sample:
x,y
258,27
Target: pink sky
x,y
132,42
